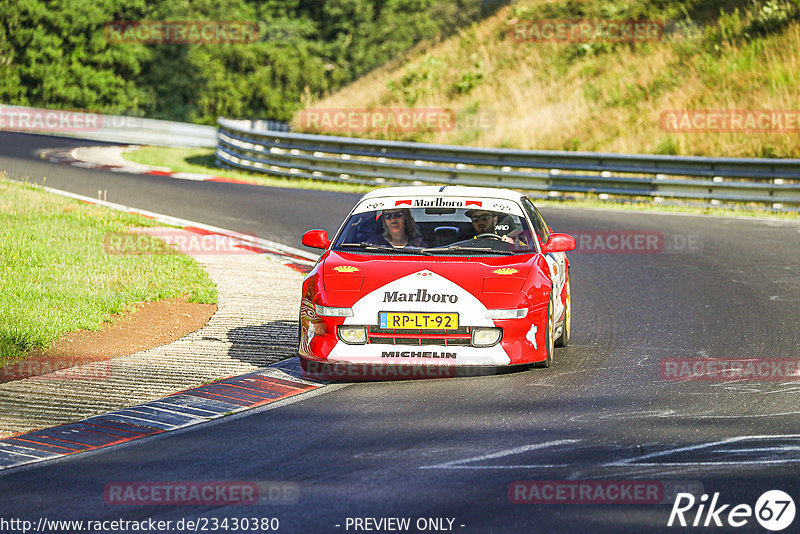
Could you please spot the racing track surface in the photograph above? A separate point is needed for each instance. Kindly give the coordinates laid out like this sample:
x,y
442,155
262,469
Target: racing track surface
x,y
450,447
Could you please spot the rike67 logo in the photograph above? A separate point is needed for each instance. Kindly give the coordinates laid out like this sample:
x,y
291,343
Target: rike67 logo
x,y
774,510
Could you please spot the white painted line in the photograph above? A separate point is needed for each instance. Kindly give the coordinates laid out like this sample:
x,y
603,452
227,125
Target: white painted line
x,y
182,409
177,221
743,416
191,176
739,463
458,464
129,415
185,415
480,467
638,459
25,452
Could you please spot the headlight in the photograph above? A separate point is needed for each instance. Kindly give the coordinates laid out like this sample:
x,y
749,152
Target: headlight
x,y
328,311
486,337
507,314
352,335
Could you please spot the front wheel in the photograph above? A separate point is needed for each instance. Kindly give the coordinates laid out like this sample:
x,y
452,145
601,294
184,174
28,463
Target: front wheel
x,y
566,324
549,346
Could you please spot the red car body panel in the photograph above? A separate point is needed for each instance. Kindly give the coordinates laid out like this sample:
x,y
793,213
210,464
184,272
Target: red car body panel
x,y
477,286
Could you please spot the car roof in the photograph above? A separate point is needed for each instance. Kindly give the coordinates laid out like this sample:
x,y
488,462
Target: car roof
x,y
444,191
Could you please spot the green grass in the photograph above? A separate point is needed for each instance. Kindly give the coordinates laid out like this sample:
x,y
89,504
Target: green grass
x,y
57,278
202,160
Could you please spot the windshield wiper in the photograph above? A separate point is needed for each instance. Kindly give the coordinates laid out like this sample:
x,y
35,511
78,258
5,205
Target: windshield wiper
x,y
387,248
459,248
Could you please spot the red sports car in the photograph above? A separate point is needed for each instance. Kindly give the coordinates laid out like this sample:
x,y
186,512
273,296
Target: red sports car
x,y
445,276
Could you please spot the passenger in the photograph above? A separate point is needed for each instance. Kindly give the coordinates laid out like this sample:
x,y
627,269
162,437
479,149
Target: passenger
x,y
399,230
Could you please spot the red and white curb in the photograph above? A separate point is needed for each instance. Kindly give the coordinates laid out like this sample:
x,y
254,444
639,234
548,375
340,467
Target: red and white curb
x,y
274,384
186,408
110,159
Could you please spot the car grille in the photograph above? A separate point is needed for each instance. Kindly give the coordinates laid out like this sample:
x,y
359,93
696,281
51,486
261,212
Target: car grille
x,y
460,337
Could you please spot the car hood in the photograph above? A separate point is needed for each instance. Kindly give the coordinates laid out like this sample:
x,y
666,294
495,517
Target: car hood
x,y
361,273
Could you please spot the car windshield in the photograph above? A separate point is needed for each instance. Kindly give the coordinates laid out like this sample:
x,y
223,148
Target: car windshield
x,y
436,231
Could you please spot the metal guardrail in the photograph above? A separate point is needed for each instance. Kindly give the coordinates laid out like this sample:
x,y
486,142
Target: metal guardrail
x,y
345,159
113,128
259,125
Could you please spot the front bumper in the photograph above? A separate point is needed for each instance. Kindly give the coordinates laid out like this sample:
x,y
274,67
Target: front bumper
x,y
523,341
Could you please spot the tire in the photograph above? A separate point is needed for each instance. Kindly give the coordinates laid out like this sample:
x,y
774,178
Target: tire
x,y
549,344
563,339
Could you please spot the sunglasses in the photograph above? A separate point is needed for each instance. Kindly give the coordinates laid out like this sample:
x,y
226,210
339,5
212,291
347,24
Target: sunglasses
x,y
392,215
483,218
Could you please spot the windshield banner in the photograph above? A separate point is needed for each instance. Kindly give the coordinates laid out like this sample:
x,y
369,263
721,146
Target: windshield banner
x,y
465,203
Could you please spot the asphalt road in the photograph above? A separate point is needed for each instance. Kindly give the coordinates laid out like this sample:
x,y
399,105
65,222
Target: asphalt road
x,y
450,448
277,214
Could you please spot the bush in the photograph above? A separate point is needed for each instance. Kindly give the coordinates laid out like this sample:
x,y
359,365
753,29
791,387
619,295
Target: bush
x,y
54,53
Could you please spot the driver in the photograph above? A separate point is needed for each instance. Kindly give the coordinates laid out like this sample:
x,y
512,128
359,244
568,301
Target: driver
x,y
483,222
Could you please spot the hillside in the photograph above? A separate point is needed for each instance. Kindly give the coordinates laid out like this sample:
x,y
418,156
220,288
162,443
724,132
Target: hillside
x,y
605,95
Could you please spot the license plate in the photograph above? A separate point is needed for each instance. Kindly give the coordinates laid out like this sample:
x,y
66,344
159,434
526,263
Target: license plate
x,y
419,321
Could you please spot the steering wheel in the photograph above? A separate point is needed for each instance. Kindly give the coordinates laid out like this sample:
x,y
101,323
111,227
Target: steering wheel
x,y
489,234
